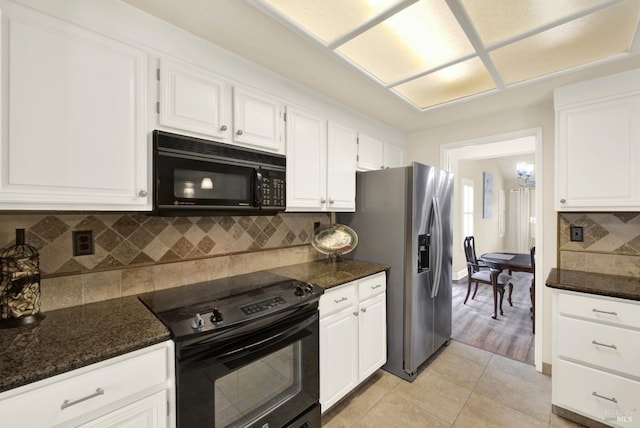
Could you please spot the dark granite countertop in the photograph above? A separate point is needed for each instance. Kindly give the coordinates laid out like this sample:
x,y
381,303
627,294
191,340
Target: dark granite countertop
x,y
623,287
75,337
328,273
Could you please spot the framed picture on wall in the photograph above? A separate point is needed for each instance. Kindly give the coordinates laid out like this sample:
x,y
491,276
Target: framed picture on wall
x,y
487,195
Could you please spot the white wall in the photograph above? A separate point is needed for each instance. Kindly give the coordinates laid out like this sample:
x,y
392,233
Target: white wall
x,y
485,230
425,147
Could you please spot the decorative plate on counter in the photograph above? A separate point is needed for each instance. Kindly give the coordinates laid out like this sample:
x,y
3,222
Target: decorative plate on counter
x,y
336,239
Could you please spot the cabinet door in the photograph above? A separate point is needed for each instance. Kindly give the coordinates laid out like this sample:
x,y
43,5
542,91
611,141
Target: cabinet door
x,y
257,120
372,335
598,156
193,99
370,153
393,156
341,168
74,117
338,355
150,412
306,160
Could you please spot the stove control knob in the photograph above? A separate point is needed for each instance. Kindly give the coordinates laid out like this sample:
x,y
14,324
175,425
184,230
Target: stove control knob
x,y
309,288
216,315
197,322
299,290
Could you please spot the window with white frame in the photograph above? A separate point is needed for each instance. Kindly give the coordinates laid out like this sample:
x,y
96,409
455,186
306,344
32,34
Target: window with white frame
x,y
467,207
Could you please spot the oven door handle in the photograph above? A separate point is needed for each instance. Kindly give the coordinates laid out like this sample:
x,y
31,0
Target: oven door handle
x,y
293,332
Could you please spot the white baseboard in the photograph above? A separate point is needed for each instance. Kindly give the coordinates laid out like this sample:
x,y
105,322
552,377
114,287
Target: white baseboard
x,y
459,275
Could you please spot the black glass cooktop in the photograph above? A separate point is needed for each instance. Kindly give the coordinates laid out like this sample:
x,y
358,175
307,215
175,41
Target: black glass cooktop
x,y
222,303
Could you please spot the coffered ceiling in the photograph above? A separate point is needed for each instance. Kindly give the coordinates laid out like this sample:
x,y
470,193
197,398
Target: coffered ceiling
x,y
416,64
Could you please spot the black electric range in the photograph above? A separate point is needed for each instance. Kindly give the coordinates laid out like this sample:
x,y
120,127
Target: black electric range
x,y
237,333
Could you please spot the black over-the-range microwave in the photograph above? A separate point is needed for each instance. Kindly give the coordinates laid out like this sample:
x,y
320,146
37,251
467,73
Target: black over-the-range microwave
x,y
193,176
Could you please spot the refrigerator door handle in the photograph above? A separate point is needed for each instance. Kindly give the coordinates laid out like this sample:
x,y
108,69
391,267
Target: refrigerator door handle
x,y
438,245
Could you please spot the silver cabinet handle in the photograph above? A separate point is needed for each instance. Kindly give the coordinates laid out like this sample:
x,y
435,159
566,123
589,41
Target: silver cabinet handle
x,y
142,193
340,300
615,314
364,309
69,403
612,399
376,286
323,201
355,313
239,132
381,166
223,128
604,344
331,201
562,201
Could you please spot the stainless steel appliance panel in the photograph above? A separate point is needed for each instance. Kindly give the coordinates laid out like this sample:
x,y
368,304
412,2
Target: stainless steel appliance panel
x,y
403,219
381,221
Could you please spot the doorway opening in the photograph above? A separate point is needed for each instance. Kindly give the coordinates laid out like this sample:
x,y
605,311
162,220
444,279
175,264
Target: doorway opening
x,y
469,160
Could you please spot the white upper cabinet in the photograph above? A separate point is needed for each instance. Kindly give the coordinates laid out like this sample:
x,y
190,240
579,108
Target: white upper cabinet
x,y
74,117
393,156
306,160
598,144
377,154
258,120
321,163
341,168
194,99
370,153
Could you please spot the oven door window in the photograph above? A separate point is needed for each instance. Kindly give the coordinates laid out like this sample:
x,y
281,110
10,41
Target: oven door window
x,y
252,391
265,379
183,181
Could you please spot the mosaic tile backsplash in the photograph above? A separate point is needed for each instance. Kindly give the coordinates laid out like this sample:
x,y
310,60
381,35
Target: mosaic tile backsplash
x,y
137,253
611,243
131,239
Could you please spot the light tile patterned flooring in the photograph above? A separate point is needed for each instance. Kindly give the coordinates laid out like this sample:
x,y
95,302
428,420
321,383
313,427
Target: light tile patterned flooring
x,y
462,386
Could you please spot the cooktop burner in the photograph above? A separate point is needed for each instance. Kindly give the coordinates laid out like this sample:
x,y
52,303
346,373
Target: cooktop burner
x,y
223,303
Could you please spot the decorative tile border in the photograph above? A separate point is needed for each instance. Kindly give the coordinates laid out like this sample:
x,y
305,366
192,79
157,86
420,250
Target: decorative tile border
x,y
135,239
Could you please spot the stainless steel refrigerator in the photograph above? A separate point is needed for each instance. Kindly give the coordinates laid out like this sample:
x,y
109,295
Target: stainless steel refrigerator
x,y
403,218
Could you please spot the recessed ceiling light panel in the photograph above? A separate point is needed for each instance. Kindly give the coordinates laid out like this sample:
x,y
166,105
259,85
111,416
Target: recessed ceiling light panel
x,y
594,37
328,20
451,83
431,52
420,37
497,20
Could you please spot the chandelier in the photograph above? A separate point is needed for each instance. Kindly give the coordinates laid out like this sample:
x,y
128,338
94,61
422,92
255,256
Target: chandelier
x,y
525,174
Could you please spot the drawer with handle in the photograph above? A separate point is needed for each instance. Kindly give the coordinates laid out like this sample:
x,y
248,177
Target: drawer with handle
x,y
336,298
72,395
372,285
608,311
611,348
601,396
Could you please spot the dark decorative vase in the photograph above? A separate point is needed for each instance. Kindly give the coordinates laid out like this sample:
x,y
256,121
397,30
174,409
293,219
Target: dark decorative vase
x,y
19,284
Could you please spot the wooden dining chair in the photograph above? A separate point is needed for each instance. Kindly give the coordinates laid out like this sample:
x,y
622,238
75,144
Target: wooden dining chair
x,y
532,289
481,273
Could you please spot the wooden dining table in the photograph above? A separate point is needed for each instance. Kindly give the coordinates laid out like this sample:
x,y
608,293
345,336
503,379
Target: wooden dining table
x,y
513,262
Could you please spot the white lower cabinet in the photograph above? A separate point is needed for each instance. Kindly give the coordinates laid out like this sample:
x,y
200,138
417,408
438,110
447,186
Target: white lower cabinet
x,y
132,390
353,336
596,349
150,412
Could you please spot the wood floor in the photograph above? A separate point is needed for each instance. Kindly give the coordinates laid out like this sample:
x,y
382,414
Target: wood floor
x,y
510,335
